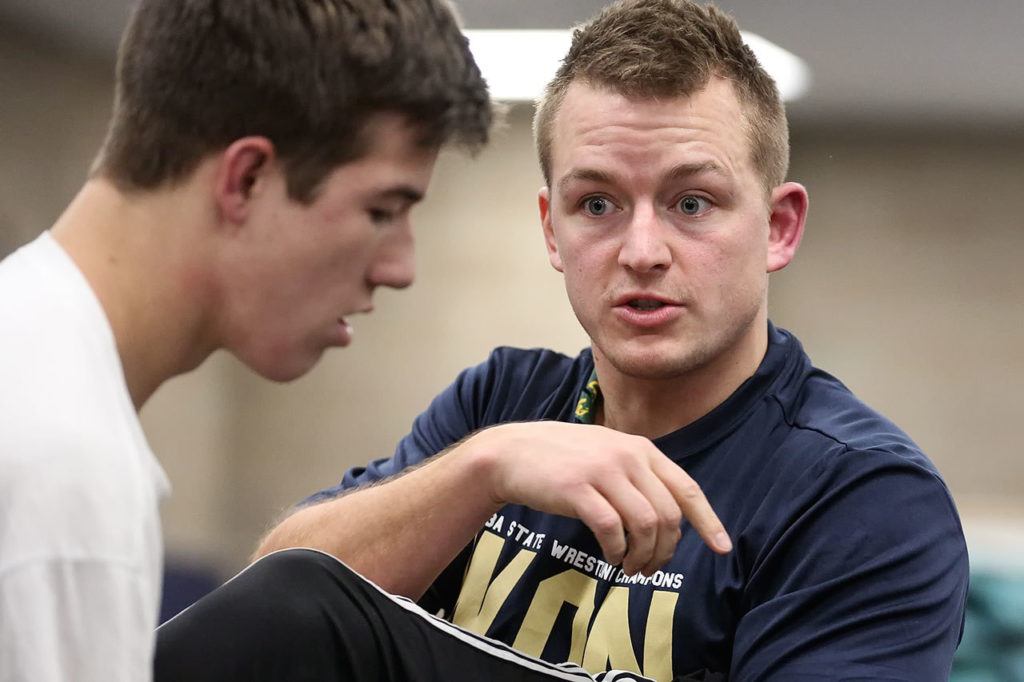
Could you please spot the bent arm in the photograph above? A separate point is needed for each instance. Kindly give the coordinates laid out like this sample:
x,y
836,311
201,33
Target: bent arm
x,y
403,532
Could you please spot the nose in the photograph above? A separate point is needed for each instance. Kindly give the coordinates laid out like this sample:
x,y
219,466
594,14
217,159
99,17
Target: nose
x,y
394,264
644,247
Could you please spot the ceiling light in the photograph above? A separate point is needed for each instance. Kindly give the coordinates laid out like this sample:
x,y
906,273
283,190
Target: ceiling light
x,y
518,64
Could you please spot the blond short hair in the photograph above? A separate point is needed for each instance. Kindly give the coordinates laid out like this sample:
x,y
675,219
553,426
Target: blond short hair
x,y
670,48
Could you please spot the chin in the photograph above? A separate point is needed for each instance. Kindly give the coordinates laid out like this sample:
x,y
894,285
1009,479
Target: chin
x,y
680,353
657,363
280,368
655,369
282,376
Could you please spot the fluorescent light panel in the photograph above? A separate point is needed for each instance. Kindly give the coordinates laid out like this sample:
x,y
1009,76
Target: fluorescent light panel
x,y
518,64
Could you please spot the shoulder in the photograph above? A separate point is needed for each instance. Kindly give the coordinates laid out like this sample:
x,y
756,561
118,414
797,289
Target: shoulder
x,y
844,469
527,364
62,392
37,279
828,441
517,383
825,417
57,350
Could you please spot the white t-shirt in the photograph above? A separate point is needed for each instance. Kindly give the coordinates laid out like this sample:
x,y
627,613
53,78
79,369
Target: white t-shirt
x,y
80,548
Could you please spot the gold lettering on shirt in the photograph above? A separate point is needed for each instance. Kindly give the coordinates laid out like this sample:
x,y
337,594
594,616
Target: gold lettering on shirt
x,y
481,598
567,587
609,643
658,636
606,643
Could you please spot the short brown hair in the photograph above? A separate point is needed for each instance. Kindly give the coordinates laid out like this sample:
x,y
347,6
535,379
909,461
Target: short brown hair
x,y
669,48
195,75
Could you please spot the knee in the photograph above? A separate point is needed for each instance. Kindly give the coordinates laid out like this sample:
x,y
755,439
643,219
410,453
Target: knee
x,y
294,586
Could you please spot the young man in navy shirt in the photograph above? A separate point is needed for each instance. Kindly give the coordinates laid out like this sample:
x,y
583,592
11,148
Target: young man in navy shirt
x,y
568,512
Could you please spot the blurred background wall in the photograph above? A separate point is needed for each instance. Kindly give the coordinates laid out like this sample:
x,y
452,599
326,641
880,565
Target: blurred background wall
x,y
908,286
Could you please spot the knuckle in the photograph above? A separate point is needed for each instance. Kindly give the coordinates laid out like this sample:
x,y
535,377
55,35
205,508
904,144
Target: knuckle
x,y
671,519
574,485
604,469
604,524
690,491
638,440
646,523
630,448
644,447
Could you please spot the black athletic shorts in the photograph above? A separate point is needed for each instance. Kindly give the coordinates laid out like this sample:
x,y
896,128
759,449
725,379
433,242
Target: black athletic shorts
x,y
300,614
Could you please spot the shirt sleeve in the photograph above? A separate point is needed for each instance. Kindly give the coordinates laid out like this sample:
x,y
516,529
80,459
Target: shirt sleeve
x,y
867,579
74,620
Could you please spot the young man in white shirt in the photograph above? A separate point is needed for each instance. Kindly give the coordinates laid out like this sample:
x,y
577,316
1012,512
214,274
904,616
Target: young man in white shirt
x,y
253,190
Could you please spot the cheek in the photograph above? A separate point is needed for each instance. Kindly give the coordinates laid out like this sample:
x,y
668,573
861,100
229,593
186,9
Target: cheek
x,y
746,249
729,270
345,254
585,272
575,285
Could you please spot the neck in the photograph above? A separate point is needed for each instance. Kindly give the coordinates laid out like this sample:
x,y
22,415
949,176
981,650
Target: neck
x,y
141,255
654,407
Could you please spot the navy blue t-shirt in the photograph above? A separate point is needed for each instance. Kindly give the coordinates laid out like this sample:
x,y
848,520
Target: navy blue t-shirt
x,y
849,560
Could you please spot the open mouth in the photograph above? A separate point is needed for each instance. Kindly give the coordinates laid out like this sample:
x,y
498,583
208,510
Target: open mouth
x,y
644,304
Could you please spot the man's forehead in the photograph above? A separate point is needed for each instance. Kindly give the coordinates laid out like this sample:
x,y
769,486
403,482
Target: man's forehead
x,y
702,133
585,95
680,171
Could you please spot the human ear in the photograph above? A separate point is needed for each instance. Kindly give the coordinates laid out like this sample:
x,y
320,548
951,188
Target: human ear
x,y
788,205
241,169
544,203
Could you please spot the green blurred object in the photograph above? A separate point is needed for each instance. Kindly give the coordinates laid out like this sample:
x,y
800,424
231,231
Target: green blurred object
x,y
992,648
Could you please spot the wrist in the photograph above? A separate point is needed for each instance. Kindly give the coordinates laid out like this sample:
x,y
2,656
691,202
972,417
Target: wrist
x,y
482,454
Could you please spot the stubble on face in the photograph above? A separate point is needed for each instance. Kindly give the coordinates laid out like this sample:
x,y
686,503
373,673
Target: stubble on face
x,y
699,346
719,275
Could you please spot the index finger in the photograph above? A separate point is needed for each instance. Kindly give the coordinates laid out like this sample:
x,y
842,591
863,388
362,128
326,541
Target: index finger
x,y
693,504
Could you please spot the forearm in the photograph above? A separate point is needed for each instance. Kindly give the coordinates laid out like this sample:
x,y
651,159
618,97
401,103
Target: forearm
x,y
400,533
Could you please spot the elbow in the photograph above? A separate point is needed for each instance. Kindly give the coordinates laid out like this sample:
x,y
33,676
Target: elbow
x,y
288,533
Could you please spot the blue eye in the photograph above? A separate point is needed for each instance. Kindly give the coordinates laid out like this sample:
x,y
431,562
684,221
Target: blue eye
x,y
693,205
597,206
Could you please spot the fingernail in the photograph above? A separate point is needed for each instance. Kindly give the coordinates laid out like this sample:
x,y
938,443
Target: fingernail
x,y
723,541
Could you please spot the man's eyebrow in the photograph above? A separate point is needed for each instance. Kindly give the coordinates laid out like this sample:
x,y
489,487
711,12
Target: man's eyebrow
x,y
682,171
405,193
688,170
584,175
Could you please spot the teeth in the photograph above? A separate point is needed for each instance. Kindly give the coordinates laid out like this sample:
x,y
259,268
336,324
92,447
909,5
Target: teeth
x,y
645,304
